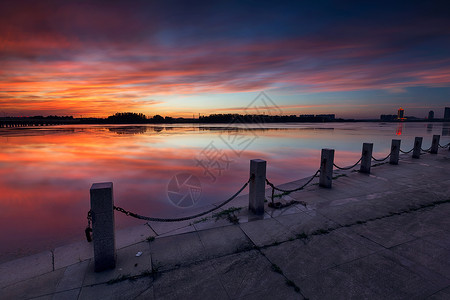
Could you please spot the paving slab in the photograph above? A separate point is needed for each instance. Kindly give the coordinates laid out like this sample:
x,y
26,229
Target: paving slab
x,y
127,264
66,295
126,289
225,240
429,275
38,286
441,239
335,284
25,268
132,235
418,224
161,228
249,274
266,232
300,258
73,277
353,212
211,223
147,294
181,230
359,239
387,278
174,251
427,254
443,294
289,210
180,283
382,233
73,253
303,223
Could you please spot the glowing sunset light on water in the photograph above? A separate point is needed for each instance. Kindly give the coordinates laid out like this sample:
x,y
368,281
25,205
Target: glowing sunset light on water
x,y
94,59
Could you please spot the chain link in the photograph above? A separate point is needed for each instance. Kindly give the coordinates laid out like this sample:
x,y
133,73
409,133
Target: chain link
x,y
406,152
88,230
278,205
294,190
381,159
426,150
137,216
348,168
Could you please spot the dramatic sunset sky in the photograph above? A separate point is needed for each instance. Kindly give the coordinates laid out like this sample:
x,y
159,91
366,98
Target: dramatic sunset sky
x,y
179,58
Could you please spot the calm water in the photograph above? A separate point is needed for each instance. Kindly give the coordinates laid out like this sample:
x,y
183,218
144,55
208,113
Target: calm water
x,y
46,172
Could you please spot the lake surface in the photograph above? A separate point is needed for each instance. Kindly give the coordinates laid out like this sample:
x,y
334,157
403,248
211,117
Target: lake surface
x,y
46,172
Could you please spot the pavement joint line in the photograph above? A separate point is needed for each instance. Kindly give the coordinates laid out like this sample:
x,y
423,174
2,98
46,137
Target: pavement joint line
x,y
272,264
288,281
444,288
220,281
53,259
51,294
147,223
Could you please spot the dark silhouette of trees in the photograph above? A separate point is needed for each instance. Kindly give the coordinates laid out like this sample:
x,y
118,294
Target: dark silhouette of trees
x,y
157,119
127,118
52,117
236,118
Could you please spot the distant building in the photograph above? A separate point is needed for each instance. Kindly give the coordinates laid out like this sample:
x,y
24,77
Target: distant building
x,y
430,115
400,114
387,118
447,113
327,116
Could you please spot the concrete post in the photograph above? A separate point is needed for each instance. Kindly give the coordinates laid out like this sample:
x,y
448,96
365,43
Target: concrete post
x,y
435,144
395,152
257,188
417,147
366,160
326,168
102,211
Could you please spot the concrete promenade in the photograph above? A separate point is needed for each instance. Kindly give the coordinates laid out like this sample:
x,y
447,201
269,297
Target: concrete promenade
x,y
380,236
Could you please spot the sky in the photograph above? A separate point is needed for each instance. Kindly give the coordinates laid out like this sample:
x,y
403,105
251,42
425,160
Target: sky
x,y
185,58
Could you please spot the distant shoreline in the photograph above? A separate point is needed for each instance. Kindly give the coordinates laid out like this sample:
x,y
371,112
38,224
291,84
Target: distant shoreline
x,y
18,122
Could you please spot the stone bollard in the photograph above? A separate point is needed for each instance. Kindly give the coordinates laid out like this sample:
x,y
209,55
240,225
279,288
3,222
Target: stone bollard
x,y
417,147
366,158
102,211
326,168
435,144
257,188
395,152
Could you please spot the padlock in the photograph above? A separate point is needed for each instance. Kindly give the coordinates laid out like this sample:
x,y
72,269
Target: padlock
x,y
88,232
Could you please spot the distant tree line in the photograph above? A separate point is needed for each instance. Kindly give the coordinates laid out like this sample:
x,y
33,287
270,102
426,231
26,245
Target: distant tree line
x,y
230,118
140,118
137,118
127,118
52,117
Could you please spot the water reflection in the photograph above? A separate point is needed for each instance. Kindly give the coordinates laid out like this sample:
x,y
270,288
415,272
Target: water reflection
x,y
46,173
446,129
399,128
129,129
